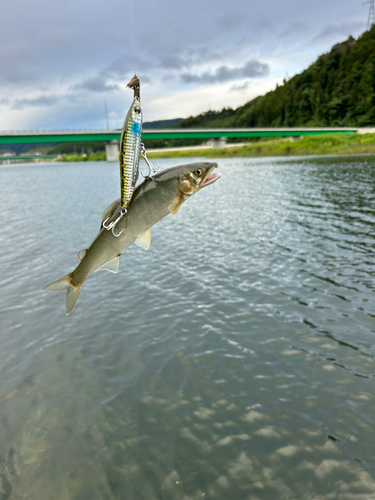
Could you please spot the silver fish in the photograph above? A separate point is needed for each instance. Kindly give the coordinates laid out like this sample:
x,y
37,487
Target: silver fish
x,y
155,198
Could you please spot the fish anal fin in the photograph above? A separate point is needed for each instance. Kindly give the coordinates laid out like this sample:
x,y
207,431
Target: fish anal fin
x,y
144,239
111,266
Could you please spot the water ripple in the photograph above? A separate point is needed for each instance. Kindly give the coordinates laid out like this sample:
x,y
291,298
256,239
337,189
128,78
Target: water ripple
x,y
233,359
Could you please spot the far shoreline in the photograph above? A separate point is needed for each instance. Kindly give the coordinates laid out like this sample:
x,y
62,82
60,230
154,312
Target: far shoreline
x,y
330,144
323,145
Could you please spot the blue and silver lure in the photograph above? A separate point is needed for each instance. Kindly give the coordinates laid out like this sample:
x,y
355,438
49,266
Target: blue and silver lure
x,y
131,146
131,149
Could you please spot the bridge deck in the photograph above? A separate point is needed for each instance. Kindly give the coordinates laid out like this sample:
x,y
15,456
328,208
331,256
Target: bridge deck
x,y
29,137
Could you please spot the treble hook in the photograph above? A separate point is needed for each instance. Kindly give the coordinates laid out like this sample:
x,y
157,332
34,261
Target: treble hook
x,y
151,168
112,225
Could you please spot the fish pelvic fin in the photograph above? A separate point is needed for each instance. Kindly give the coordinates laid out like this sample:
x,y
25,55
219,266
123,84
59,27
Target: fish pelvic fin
x,y
144,239
175,206
72,290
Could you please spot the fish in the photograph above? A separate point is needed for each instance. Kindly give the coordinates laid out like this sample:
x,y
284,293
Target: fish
x,y
131,145
154,199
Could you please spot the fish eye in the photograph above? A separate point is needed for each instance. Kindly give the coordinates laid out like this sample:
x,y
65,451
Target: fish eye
x,y
137,109
198,172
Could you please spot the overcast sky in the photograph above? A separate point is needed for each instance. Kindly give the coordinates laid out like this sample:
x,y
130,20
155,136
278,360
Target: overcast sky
x,y
60,60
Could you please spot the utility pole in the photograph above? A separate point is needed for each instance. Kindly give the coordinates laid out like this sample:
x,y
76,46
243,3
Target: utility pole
x,y
106,112
371,14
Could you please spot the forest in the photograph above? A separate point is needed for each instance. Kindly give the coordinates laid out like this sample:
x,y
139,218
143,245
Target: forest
x,y
337,90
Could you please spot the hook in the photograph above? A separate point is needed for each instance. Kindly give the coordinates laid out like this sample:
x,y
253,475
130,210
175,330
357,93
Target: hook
x,y
112,225
151,168
159,167
114,234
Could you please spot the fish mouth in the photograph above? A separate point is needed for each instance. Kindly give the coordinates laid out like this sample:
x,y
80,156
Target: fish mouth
x,y
210,177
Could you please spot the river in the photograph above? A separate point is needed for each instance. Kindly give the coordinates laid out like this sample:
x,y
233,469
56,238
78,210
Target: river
x,y
232,360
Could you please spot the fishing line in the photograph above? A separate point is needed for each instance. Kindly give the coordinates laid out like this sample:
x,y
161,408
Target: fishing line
x,y
132,32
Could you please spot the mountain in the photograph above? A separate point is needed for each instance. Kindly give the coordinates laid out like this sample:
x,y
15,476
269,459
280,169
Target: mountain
x,y
162,123
336,90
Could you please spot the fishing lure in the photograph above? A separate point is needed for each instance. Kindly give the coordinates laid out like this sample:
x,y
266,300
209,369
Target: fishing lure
x,y
131,145
131,148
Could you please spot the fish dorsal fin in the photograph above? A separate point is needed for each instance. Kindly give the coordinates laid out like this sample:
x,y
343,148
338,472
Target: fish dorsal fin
x,y
81,254
144,239
111,265
109,209
174,207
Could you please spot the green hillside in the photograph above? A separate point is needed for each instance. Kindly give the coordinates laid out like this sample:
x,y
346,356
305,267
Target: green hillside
x,y
162,123
336,90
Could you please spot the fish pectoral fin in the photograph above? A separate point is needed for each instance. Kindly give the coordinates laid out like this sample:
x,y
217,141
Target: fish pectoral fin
x,y
111,266
144,239
174,207
81,254
109,210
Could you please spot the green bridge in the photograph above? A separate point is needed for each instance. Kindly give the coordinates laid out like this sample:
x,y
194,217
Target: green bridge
x,y
112,137
29,137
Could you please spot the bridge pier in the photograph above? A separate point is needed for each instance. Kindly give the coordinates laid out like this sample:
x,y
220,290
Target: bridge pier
x,y
367,130
219,143
112,150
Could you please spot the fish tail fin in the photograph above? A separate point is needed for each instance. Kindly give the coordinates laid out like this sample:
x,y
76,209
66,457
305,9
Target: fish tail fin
x,y
72,290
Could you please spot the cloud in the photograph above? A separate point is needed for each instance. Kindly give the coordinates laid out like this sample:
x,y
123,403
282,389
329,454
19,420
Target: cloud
x,y
16,63
125,65
82,51
293,28
45,100
96,84
230,21
172,62
338,30
121,66
147,66
59,36
252,69
241,87
203,54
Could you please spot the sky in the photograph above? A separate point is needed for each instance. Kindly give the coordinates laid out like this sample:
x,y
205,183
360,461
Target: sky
x,y
61,61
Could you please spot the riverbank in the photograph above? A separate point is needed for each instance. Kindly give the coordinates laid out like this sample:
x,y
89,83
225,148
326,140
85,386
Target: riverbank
x,y
330,144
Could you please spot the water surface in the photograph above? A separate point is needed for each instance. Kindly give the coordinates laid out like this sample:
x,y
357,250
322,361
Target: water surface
x,y
234,359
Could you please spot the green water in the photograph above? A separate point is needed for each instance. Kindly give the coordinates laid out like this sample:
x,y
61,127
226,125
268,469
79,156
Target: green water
x,y
233,360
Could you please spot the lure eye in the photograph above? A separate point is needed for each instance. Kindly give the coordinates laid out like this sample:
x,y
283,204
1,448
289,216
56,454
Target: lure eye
x,y
137,109
198,172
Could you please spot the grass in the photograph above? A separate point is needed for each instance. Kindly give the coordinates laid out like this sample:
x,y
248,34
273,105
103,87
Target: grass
x,y
329,144
99,156
310,145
